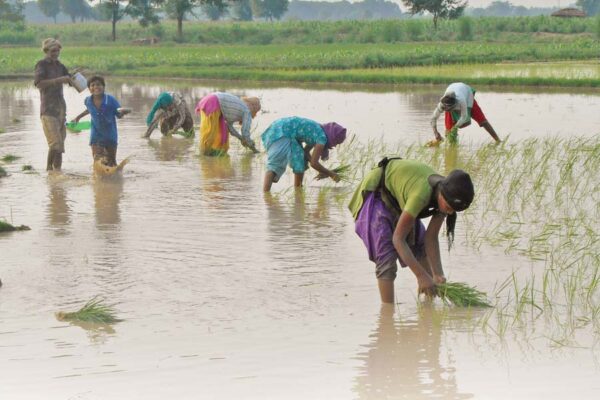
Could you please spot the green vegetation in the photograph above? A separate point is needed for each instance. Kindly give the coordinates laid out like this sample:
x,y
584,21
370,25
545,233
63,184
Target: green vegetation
x,y
27,168
6,227
2,172
94,311
357,63
523,29
10,158
462,295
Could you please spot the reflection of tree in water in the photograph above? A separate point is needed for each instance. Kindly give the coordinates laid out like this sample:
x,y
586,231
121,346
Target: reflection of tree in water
x,y
169,148
107,194
403,360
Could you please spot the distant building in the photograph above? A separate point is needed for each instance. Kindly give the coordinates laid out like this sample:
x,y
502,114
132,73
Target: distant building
x,y
569,13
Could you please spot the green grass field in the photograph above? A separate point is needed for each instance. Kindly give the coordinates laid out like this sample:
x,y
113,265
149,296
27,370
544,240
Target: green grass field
x,y
476,62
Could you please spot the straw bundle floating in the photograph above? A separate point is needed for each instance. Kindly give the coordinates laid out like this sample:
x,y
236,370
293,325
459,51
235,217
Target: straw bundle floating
x,y
462,295
93,311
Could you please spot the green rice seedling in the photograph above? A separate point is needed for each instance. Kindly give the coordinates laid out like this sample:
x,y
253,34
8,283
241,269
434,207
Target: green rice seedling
x,y
2,130
27,168
10,158
342,171
186,134
3,172
93,311
16,120
452,137
6,227
462,295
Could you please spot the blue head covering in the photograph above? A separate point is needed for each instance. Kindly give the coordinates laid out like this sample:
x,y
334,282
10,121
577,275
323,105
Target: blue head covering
x,y
163,100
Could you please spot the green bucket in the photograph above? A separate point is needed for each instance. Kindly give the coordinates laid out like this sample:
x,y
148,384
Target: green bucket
x,y
79,126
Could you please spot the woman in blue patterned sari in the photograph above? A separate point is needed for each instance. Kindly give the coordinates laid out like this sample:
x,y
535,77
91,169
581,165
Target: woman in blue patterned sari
x,y
299,142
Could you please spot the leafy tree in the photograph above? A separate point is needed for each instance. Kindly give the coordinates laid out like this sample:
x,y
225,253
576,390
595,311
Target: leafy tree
x,y
113,11
144,11
269,9
214,10
50,8
179,9
12,12
437,8
241,10
76,9
591,7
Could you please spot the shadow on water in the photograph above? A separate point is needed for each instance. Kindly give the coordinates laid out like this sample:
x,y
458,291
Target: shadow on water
x,y
403,361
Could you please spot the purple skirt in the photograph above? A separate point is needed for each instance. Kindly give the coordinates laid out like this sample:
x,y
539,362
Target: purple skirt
x,y
375,225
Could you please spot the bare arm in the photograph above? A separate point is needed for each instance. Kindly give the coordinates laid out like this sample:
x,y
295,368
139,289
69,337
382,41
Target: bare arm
x,y
315,156
83,114
432,247
46,83
405,224
434,118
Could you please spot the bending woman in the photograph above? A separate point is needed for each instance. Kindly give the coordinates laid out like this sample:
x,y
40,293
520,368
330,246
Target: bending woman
x,y
218,112
174,115
388,207
296,142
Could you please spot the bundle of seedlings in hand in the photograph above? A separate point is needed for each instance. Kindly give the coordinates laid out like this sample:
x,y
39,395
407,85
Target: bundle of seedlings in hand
x,y
93,311
452,136
462,295
341,171
6,227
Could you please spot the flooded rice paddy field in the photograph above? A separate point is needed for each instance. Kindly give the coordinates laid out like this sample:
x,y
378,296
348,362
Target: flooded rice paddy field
x,y
228,293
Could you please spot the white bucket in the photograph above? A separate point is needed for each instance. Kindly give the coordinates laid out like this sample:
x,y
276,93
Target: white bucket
x,y
79,82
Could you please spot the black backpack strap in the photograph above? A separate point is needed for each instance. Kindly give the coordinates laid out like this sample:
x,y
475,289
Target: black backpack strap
x,y
383,189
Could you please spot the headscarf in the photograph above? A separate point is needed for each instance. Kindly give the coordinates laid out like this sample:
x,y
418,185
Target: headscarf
x,y
163,100
457,190
253,104
448,100
50,43
335,134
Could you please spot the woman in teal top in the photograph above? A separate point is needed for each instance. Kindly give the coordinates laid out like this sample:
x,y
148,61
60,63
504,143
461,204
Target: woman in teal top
x,y
296,141
388,206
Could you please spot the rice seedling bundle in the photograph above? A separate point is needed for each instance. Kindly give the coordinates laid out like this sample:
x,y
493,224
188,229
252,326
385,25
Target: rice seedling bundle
x,y
6,227
93,311
27,168
2,172
452,136
462,295
10,158
341,170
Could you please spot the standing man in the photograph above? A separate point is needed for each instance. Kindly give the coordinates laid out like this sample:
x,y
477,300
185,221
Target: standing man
x,y
50,76
459,105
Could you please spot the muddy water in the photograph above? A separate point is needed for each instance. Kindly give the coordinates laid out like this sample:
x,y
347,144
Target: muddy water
x,y
226,293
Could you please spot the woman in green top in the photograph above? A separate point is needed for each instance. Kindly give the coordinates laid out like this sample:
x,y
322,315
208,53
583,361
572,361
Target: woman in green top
x,y
387,208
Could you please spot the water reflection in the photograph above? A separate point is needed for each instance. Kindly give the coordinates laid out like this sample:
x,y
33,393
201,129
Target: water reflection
x,y
170,148
403,360
58,209
107,195
217,173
